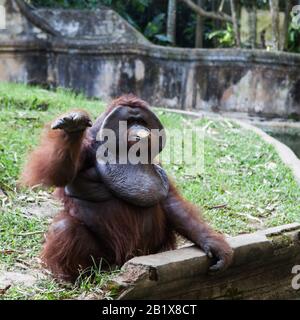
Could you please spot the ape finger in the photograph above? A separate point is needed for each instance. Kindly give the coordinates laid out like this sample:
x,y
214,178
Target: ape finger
x,y
58,124
219,266
207,251
76,121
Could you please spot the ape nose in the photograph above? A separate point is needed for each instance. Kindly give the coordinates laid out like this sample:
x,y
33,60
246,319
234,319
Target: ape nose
x,y
134,112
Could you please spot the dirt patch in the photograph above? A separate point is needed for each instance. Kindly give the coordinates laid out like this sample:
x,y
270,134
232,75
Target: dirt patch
x,y
26,279
42,209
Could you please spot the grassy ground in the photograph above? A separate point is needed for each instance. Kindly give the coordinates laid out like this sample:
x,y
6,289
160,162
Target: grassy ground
x,y
243,187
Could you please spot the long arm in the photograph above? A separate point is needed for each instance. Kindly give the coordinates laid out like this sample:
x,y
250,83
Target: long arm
x,y
57,159
187,221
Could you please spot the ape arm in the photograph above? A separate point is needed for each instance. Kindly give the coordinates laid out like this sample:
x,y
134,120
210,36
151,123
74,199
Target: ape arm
x,y
186,220
57,159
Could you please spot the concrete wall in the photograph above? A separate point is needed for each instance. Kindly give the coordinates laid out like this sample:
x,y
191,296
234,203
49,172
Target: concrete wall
x,y
100,54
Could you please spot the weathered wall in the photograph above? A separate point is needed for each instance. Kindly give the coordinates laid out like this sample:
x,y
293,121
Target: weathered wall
x,y
100,54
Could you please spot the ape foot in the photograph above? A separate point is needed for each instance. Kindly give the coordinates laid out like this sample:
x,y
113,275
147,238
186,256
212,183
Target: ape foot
x,y
72,122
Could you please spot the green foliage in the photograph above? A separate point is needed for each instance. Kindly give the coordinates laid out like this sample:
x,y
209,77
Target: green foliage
x,y
295,17
294,32
154,29
294,40
225,37
67,4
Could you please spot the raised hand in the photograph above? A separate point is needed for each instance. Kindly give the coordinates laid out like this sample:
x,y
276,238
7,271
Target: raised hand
x,y
72,122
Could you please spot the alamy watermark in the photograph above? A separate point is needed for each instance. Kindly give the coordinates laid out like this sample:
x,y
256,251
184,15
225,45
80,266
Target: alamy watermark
x,y
2,17
182,148
296,278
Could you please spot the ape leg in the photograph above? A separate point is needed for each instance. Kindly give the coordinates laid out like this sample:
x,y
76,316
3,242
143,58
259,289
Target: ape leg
x,y
186,220
70,247
63,145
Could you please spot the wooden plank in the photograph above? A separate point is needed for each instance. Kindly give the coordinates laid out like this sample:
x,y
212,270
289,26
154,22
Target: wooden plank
x,y
262,269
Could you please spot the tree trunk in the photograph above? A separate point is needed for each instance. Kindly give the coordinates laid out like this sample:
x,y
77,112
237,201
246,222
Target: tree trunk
x,y
171,23
208,14
253,24
235,24
287,19
199,28
274,8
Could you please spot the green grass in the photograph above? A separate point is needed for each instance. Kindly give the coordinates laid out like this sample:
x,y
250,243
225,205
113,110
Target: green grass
x,y
244,185
244,175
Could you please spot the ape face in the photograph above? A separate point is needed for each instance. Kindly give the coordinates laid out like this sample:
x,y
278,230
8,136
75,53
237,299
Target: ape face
x,y
130,126
125,163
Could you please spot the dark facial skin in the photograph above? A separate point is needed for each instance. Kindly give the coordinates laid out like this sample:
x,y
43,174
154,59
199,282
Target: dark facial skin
x,y
140,184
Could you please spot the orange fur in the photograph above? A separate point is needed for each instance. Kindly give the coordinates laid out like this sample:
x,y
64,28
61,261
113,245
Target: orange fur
x,y
56,160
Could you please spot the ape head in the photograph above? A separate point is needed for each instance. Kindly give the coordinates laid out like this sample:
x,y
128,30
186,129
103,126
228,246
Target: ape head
x,y
129,136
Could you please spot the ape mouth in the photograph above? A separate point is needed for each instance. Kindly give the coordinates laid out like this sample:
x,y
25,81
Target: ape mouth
x,y
138,133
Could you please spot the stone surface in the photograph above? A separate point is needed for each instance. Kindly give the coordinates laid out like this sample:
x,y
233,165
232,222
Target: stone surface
x,y
14,278
100,54
262,269
43,209
101,25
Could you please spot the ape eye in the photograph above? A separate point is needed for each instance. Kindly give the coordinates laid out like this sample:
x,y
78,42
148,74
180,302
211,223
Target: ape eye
x,y
136,120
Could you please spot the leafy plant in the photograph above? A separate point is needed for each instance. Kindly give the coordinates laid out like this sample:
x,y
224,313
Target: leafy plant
x,y
295,16
294,39
154,29
225,37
